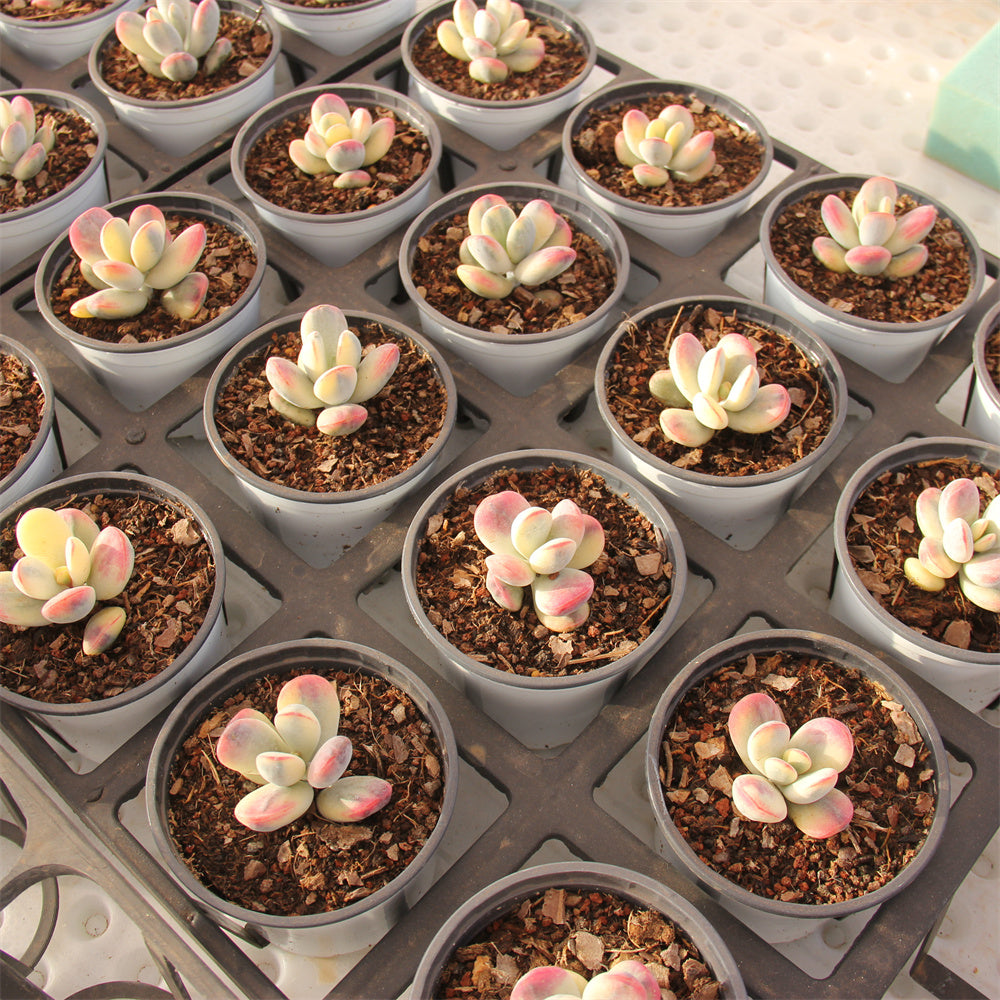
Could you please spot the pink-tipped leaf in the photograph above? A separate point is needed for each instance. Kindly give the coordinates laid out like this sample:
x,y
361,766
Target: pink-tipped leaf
x,y
279,768
546,981
510,569
337,421
825,818
494,517
271,807
329,762
317,694
352,799
839,222
560,594
102,630
299,728
374,372
867,260
111,561
758,800
247,735
69,605
746,715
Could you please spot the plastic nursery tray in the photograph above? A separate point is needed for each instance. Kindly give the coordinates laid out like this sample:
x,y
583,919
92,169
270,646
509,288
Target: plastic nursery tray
x,y
72,823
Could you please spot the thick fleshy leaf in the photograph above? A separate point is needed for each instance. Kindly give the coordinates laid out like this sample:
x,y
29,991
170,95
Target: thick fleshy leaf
x,y
614,986
529,529
552,556
485,25
129,27
85,234
494,517
779,771
162,37
527,56
927,512
867,260
35,578
560,594
830,254
316,355
187,297
147,245
920,576
812,786
590,546
877,194
486,284
933,557
683,427
694,152
279,768
204,27
479,208
711,368
271,807
911,228
336,385
769,739
697,172
80,524
111,561
907,263
287,379
336,421
649,176
987,598
508,596
567,521
487,69
42,532
179,258
379,139
495,223
744,389
329,762
957,540
297,414
758,800
625,156
828,743
102,630
247,734
825,818
573,619
959,499
640,972
329,104
345,156
450,39
352,799
17,608
709,412
674,114
876,227
374,372
746,715
983,569
69,605
546,981
767,410
684,358
317,694
656,152
839,222
30,162
217,56
634,125
521,237
299,728
663,387
308,161
488,253
116,240
144,213
544,265
179,67
350,179
118,274
510,569
348,348
512,37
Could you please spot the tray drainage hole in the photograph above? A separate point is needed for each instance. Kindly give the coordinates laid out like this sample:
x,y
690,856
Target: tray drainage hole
x,y
834,936
947,927
39,975
96,924
269,965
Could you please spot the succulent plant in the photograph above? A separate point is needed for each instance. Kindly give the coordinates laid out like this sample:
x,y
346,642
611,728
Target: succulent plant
x,y
792,775
504,250
958,542
23,149
868,238
706,391
330,375
341,142
494,40
627,980
69,565
664,147
530,546
128,260
297,760
175,39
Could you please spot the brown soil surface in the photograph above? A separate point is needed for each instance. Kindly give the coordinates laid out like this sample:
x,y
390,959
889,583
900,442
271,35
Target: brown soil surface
x,y
21,405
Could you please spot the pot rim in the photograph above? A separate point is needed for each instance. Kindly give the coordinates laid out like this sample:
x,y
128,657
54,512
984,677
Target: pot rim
x,y
794,640
989,323
341,654
814,349
616,92
252,12
120,484
588,218
896,456
352,8
288,324
83,108
14,347
636,494
549,13
65,22
497,898
298,101
832,182
211,207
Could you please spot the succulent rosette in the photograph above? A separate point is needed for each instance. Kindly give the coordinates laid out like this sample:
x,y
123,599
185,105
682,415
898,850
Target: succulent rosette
x,y
793,775
664,147
297,760
626,980
23,148
493,40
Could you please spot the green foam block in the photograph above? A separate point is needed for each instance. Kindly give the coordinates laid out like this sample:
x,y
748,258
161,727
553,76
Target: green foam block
x,y
965,125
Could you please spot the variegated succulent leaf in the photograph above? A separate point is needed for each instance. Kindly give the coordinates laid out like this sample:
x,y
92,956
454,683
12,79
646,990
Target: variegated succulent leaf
x,y
175,39
869,238
23,148
664,148
332,374
298,760
959,542
547,551
792,774
708,391
67,567
626,980
504,250
494,40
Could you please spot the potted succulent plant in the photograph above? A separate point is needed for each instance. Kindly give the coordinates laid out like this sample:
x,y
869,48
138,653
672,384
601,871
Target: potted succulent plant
x,y
880,273
182,73
488,268
726,407
336,172
51,167
674,161
501,72
151,319
544,523
364,843
645,932
89,643
52,33
918,561
819,786
29,444
982,412
340,26
341,466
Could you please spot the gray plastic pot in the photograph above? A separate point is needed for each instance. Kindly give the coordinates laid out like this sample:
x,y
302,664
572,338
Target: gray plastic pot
x,y
682,230
319,526
500,124
542,711
738,509
97,728
520,363
42,460
341,30
982,412
892,351
972,678
139,374
504,895
356,925
777,920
